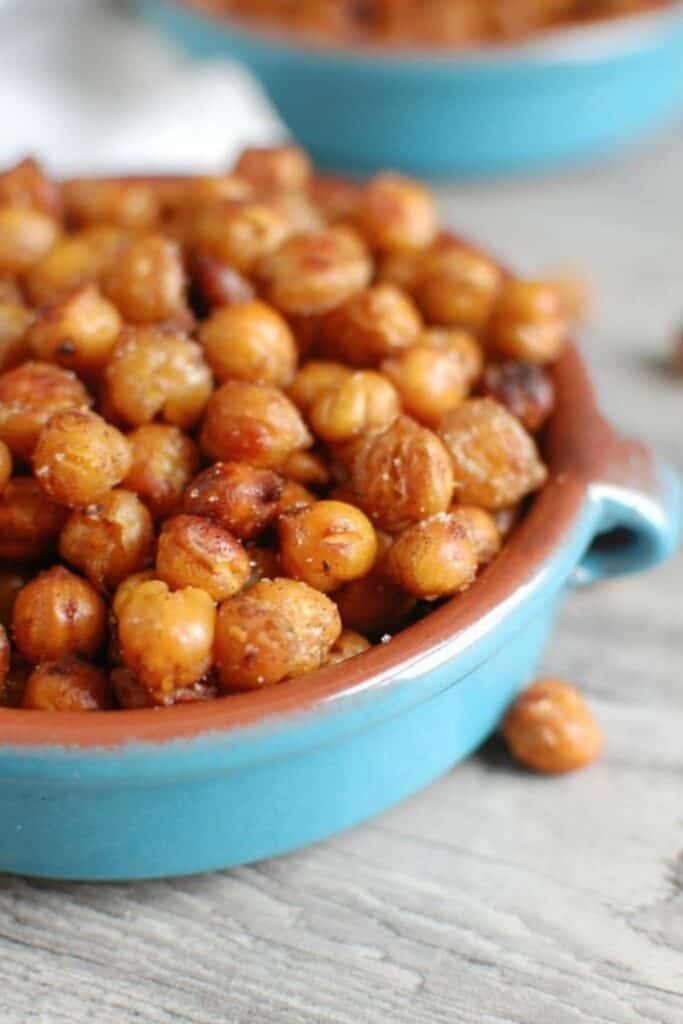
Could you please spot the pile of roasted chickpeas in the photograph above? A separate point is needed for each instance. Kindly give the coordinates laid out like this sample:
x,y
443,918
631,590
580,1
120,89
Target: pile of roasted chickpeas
x,y
438,23
250,424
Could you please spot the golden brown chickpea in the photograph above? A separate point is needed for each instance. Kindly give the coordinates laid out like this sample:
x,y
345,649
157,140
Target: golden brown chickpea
x,y
166,637
313,615
29,522
4,656
15,320
460,343
26,184
299,211
10,292
370,326
373,605
78,331
79,458
365,401
241,498
73,261
110,540
264,565
349,645
481,529
249,342
306,468
525,389
252,423
495,460
429,381
67,685
29,395
5,465
294,496
127,587
396,213
529,322
402,475
56,615
25,236
127,204
326,544
164,460
399,268
147,283
457,286
238,233
154,372
219,284
550,729
315,377
314,272
208,189
195,552
337,199
276,168
432,559
11,582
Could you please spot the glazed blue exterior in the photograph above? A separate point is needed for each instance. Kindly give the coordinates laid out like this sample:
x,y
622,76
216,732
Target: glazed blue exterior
x,y
490,112
222,799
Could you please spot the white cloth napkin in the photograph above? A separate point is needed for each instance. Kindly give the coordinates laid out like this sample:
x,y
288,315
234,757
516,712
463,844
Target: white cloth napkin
x,y
86,87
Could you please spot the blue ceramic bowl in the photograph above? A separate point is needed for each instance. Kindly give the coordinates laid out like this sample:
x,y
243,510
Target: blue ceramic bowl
x,y
134,794
566,96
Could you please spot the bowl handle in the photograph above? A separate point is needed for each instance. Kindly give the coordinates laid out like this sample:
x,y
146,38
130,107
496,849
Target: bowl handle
x,y
639,513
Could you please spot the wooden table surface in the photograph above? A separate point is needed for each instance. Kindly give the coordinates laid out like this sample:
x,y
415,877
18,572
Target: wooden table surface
x,y
493,897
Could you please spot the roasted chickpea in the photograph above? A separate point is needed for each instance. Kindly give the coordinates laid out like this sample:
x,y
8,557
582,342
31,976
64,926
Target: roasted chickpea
x,y
315,377
29,522
25,236
66,685
396,213
348,645
525,389
79,458
460,343
207,189
10,292
370,326
429,381
457,286
127,204
29,395
306,468
110,540
365,401
433,558
127,587
249,342
147,283
252,423
327,544
56,615
241,498
195,552
481,529
373,605
529,322
399,268
402,475
294,496
164,460
337,199
78,331
155,372
314,272
550,729
15,320
11,582
299,212
75,260
238,233
166,637
274,169
495,460
219,284
26,184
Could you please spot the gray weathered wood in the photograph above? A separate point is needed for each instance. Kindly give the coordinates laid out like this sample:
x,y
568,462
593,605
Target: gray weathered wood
x,y
494,897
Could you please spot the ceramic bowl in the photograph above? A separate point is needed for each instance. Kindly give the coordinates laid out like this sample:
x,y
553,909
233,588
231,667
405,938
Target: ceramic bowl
x,y
568,95
134,794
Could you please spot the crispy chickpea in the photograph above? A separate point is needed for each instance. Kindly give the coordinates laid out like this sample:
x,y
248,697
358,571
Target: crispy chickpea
x,y
166,637
79,458
315,377
399,268
238,233
495,460
481,529
127,204
299,211
461,343
4,656
78,331
429,381
327,544
348,645
147,282
314,272
525,389
5,465
219,284
529,322
75,260
11,582
550,729
208,189
457,286
29,522
370,326
25,236
314,617
129,586
10,292
249,342
195,552
402,475
155,372
29,395
365,401
56,615
337,199
306,468
164,460
294,496
15,320
110,540
66,685
241,498
26,184
252,423
431,559
396,213
373,605
274,169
